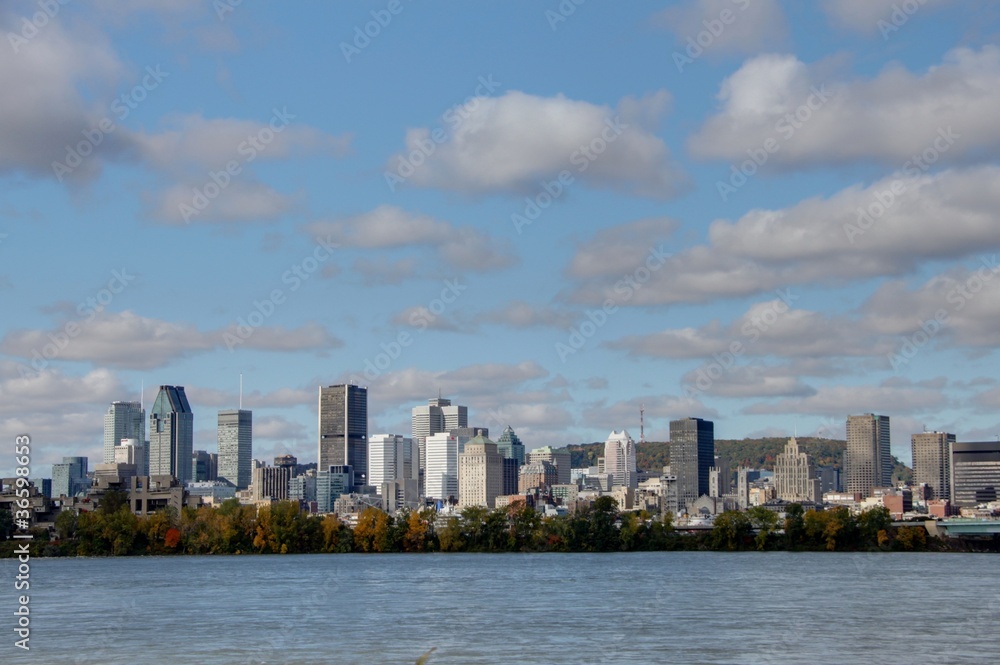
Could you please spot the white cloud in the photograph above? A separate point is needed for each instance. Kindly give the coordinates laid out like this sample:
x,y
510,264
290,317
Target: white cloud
x,y
511,143
890,118
520,314
893,397
864,15
618,250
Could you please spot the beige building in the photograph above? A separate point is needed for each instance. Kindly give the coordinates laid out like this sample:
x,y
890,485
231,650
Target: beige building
x,y
932,462
795,475
270,482
868,458
557,457
480,472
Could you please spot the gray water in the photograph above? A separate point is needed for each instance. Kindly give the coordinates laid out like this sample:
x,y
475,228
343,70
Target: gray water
x,y
669,607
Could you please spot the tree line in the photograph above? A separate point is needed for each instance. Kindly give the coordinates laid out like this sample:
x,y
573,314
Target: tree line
x,y
284,528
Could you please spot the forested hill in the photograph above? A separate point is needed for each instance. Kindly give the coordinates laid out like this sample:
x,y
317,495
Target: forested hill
x,y
753,453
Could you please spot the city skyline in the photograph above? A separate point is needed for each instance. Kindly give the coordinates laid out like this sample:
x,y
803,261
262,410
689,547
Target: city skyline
x,y
770,221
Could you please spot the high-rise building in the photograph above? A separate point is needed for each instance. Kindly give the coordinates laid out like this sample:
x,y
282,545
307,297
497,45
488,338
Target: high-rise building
x,y
795,475
692,452
509,445
290,462
391,459
441,476
343,429
171,434
932,462
439,415
480,472
511,473
70,477
539,475
270,482
560,458
204,466
132,451
302,488
869,456
124,420
331,484
235,437
619,460
975,472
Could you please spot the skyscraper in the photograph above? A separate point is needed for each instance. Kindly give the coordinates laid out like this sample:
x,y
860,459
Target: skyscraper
x,y
390,459
975,472
124,420
932,462
795,475
343,429
692,452
509,445
171,434
439,415
235,437
441,477
480,473
560,458
869,457
619,460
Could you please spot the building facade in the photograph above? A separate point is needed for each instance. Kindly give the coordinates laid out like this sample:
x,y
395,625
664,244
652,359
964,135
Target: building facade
x,y
124,420
868,461
692,454
132,451
343,429
509,445
619,460
795,475
441,475
932,462
391,458
235,439
437,416
70,477
560,458
171,434
538,475
479,473
975,472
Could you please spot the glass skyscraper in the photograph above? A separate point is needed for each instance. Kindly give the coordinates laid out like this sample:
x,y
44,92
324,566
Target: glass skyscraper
x,y
343,429
235,436
171,434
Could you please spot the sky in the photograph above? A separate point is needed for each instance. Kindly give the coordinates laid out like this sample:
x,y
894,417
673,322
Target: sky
x,y
771,214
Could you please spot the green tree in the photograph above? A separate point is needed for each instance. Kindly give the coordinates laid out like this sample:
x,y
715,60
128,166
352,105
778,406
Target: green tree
x,y
603,534
452,538
6,524
871,522
765,521
66,524
730,530
794,526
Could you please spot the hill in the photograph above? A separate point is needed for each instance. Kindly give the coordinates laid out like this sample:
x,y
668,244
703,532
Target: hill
x,y
754,453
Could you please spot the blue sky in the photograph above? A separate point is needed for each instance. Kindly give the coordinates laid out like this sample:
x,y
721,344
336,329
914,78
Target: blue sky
x,y
550,217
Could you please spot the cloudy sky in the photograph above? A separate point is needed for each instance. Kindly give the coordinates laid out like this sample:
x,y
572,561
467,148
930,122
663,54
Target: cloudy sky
x,y
768,213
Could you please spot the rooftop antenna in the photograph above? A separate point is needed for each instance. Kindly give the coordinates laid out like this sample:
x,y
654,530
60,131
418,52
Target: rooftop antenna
x,y
642,423
241,390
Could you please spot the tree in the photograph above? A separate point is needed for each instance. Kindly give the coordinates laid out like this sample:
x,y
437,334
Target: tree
x,y
730,530
112,501
6,524
871,522
66,524
372,532
794,526
451,537
765,521
415,537
337,537
603,534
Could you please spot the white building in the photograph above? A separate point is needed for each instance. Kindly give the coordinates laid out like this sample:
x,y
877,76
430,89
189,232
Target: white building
x,y
124,420
441,475
132,451
390,459
795,475
619,459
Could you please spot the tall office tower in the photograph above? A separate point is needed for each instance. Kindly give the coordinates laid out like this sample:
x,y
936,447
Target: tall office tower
x,y
270,482
204,466
70,477
124,420
439,415
235,437
932,462
441,475
869,457
343,429
390,460
171,434
975,472
511,473
692,452
509,445
795,475
619,460
132,451
719,479
557,457
480,471
330,485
